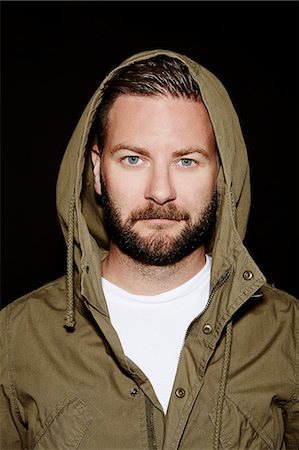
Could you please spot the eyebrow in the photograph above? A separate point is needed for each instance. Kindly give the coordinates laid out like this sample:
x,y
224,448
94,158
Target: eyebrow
x,y
132,148
190,150
176,154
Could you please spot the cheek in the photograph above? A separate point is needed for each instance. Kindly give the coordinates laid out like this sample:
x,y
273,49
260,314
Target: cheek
x,y
123,187
125,190
198,186
209,180
195,196
125,196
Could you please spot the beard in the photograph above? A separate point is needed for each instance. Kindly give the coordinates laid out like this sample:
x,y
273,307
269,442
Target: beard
x,y
158,248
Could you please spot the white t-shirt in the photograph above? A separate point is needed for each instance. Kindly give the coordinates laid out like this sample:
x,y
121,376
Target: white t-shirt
x,y
152,328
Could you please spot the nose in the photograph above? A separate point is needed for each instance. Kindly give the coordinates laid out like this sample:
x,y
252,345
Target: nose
x,y
160,188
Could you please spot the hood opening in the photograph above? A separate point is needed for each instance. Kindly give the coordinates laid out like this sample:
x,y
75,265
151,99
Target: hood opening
x,y
81,215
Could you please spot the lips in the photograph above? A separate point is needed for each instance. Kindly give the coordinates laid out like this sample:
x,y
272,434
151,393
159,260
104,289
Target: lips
x,y
161,218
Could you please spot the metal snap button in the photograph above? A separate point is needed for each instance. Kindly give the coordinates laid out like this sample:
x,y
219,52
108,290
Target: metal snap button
x,y
134,392
247,275
180,392
207,329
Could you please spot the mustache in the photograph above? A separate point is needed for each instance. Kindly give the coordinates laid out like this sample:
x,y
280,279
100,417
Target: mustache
x,y
170,212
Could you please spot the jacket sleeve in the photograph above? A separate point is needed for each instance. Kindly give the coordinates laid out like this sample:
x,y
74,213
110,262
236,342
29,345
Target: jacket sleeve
x,y
10,429
291,436
9,435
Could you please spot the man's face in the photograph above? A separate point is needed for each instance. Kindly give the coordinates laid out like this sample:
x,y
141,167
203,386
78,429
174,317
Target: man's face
x,y
157,177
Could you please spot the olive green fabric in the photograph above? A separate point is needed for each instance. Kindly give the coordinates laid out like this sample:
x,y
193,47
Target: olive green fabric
x,y
75,388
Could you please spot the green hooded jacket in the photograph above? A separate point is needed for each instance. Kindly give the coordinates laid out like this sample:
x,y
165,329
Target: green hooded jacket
x,y
237,382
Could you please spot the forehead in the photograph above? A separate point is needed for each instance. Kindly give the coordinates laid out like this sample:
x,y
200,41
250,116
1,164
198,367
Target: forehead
x,y
157,116
155,103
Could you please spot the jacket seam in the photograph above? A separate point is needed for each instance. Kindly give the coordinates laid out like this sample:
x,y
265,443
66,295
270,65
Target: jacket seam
x,y
296,368
56,413
11,372
246,413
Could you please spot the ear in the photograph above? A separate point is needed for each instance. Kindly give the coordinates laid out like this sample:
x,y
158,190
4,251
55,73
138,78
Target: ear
x,y
96,161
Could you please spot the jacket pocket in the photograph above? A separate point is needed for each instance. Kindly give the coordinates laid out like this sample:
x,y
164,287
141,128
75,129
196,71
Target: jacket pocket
x,y
240,430
65,427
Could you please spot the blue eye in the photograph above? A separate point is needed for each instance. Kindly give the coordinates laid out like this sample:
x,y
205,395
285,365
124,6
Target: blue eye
x,y
133,160
186,162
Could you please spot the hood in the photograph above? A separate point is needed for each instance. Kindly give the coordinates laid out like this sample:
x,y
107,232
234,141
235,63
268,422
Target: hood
x,y
81,216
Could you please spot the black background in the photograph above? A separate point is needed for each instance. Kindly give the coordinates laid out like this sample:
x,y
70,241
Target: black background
x,y
53,56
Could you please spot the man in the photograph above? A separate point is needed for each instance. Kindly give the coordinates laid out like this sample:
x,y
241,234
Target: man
x,y
177,341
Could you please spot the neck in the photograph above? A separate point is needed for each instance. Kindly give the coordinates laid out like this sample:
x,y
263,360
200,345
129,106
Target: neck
x,y
138,278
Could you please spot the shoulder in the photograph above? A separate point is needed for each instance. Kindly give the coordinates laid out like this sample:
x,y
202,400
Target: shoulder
x,y
273,312
30,323
279,300
45,300
270,310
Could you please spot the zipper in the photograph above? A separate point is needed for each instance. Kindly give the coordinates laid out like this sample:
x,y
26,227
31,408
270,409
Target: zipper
x,y
222,280
152,440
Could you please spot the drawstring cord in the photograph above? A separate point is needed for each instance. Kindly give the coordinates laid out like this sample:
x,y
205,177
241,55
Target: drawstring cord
x,y
69,318
223,381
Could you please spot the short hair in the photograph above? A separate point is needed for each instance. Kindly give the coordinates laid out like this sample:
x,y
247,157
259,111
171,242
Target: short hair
x,y
158,75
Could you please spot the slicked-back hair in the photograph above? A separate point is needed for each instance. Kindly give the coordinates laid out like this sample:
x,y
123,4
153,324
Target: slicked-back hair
x,y
159,75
